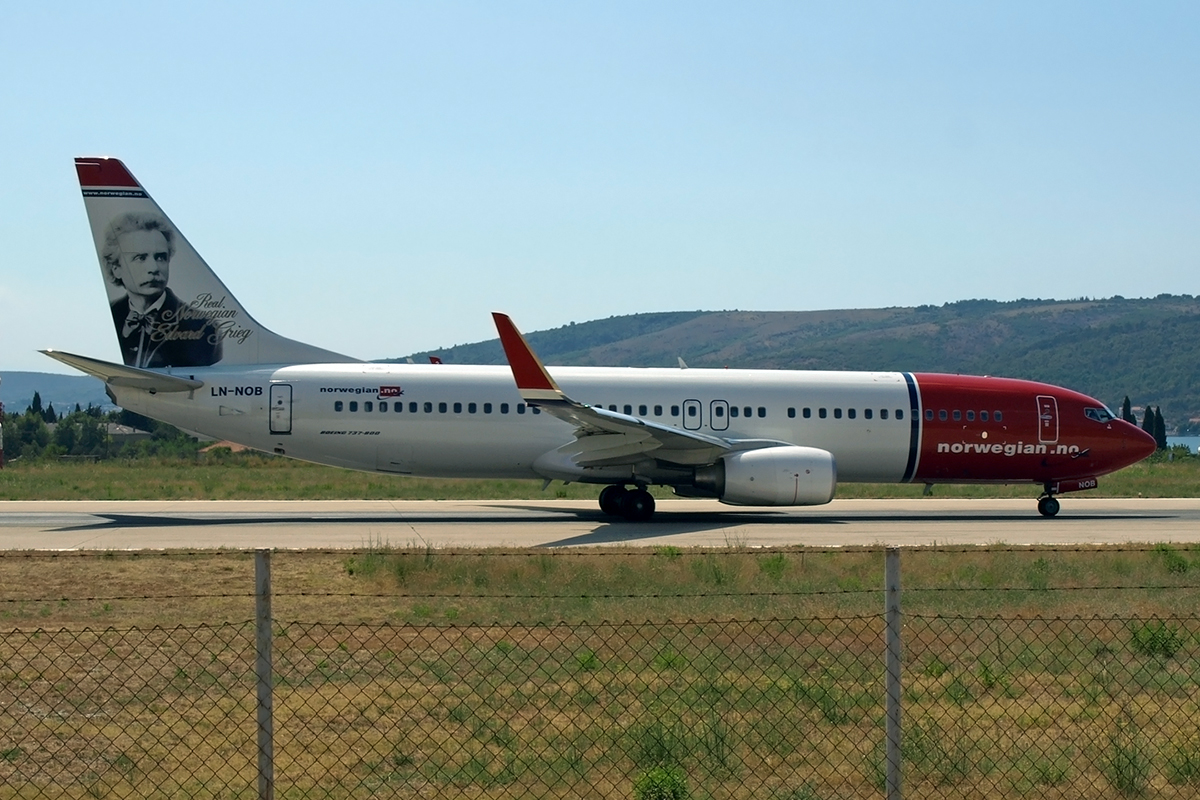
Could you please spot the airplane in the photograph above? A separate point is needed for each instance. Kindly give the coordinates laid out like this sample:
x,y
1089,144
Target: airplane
x,y
194,357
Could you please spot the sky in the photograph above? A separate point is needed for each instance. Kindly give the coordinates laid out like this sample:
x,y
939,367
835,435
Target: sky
x,y
376,178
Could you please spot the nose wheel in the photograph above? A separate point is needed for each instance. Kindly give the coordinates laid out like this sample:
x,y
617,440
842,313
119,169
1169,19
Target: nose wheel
x,y
1048,505
635,505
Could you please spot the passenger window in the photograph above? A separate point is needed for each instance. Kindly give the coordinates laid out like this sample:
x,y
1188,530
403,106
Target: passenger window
x,y
808,413
471,408
487,408
720,412
458,408
983,416
970,416
612,408
658,411
998,416
629,411
748,411
443,408
367,406
957,415
883,413
692,410
504,408
383,405
791,413
536,410
429,408
821,413
899,413
837,413
641,411
942,414
412,407
337,405
867,413
762,411
520,408
354,405
928,414
733,411
674,411
850,412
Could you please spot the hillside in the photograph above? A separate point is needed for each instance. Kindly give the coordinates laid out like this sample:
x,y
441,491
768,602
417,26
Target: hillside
x,y
61,391
1108,348
1146,348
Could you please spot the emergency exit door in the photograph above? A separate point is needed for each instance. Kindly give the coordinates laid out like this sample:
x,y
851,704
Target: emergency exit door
x,y
281,409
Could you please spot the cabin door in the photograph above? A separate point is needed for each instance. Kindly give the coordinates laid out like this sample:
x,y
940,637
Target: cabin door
x,y
1047,419
281,409
692,417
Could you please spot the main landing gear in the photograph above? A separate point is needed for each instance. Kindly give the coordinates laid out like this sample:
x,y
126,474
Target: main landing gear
x,y
635,505
1047,505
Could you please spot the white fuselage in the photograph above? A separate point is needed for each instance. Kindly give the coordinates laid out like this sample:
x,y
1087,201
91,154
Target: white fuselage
x,y
469,421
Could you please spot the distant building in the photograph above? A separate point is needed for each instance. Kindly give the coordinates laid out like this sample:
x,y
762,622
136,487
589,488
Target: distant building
x,y
120,434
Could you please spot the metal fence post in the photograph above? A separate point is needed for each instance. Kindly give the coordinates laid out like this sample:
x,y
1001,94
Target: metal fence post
x,y
891,580
262,668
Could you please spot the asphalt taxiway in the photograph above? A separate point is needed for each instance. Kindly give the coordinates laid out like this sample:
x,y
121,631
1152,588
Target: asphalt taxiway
x,y
353,524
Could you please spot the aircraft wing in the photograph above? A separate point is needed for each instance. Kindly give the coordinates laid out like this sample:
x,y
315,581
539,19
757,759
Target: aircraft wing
x,y
121,375
603,437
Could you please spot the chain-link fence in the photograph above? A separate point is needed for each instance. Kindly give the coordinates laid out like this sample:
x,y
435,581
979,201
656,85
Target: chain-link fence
x,y
994,705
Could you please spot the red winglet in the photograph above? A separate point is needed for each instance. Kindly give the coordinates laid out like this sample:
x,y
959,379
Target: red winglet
x,y
103,172
527,369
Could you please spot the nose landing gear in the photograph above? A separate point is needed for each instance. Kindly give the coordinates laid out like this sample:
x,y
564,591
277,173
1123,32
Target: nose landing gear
x,y
1048,505
635,505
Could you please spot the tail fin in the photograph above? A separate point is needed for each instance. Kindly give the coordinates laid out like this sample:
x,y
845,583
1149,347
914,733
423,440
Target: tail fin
x,y
169,308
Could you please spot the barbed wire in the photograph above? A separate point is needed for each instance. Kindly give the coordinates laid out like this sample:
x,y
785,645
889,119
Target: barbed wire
x,y
593,595
603,551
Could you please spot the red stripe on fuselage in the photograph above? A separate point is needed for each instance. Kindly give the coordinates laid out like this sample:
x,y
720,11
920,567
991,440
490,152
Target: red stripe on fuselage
x,y
103,172
1033,441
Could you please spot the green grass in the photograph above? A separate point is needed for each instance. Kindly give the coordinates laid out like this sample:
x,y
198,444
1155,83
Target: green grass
x,y
250,476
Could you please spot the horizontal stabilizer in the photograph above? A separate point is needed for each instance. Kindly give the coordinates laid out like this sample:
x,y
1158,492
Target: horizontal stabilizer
x,y
121,375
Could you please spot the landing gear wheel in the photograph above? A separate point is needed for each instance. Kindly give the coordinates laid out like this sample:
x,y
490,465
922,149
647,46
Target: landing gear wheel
x,y
1048,505
610,499
637,506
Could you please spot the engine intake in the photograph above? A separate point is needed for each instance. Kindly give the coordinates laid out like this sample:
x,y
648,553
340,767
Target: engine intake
x,y
773,476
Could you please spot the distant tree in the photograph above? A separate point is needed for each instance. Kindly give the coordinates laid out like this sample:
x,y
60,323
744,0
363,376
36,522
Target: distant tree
x,y
78,409
1127,412
36,406
30,436
49,416
1160,429
1148,421
65,435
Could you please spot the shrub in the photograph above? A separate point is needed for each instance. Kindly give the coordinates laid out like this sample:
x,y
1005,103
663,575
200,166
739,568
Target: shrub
x,y
1127,764
1156,639
661,783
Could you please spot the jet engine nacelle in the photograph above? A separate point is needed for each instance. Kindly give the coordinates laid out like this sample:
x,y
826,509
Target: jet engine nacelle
x,y
773,476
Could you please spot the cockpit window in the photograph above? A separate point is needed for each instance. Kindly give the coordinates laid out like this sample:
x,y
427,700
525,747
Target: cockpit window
x,y
1098,414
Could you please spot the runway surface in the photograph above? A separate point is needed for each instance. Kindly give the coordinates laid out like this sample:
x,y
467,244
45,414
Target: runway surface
x,y
351,524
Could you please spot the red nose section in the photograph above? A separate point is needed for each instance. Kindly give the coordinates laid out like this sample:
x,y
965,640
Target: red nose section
x,y
1140,443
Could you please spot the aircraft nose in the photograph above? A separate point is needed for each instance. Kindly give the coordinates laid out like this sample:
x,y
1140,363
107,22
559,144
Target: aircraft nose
x,y
1139,442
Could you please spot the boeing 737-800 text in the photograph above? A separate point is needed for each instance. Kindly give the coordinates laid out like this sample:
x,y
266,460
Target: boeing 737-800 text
x,y
192,356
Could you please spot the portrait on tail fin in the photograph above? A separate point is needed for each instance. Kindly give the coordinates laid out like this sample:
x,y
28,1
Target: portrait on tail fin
x,y
155,328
